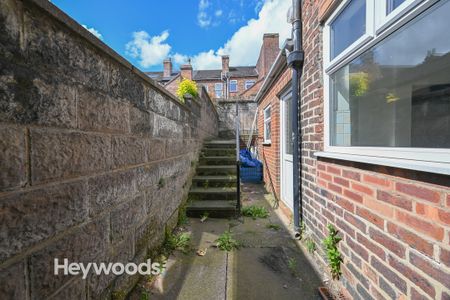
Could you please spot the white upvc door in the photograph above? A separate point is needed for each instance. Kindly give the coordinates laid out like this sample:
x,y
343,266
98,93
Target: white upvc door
x,y
286,149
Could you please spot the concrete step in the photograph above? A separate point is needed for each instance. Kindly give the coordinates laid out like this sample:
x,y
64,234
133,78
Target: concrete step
x,y
214,208
220,144
210,191
216,169
217,160
229,178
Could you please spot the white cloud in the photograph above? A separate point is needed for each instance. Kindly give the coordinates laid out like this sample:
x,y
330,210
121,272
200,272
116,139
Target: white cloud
x,y
150,50
243,47
204,20
94,32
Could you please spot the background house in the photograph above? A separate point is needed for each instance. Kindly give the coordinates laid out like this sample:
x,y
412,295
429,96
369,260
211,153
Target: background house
x,y
243,81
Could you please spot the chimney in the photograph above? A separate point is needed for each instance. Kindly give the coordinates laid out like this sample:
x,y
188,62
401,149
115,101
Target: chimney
x,y
225,64
268,53
167,67
186,70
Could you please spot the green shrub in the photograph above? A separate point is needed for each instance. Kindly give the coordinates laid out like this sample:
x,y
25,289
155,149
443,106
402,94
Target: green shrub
x,y
187,87
333,254
180,241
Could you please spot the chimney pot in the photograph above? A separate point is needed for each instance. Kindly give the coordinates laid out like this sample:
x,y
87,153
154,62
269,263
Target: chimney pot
x,y
225,64
186,70
167,67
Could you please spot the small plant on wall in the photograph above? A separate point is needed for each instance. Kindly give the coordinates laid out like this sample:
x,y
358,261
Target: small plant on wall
x,y
333,255
187,87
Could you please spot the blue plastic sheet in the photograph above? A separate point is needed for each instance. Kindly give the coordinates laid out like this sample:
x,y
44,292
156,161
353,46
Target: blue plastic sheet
x,y
247,160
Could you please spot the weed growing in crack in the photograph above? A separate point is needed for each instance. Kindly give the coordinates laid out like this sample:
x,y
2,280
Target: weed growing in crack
x,y
310,245
225,242
333,255
273,226
255,211
161,183
292,265
180,241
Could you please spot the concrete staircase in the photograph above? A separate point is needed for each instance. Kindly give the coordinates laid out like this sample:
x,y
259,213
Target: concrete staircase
x,y
214,187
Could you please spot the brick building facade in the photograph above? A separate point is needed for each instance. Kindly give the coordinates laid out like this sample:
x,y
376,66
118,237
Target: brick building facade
x,y
243,81
393,217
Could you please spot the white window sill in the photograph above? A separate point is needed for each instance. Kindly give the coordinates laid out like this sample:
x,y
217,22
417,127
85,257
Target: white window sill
x,y
431,167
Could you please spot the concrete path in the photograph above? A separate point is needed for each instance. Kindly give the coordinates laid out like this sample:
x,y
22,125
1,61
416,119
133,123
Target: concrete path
x,y
268,265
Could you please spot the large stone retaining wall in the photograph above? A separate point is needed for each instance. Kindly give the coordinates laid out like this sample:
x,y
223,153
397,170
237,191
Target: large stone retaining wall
x,y
95,157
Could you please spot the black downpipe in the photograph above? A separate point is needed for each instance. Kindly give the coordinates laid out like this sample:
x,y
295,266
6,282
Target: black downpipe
x,y
295,61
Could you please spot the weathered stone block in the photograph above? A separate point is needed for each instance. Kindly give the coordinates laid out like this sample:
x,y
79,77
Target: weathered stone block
x,y
156,150
125,85
167,128
12,157
141,122
110,189
58,154
147,177
99,113
13,281
127,216
128,151
30,217
175,147
86,244
75,290
28,99
120,253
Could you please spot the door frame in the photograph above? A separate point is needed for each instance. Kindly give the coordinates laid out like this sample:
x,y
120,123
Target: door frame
x,y
283,99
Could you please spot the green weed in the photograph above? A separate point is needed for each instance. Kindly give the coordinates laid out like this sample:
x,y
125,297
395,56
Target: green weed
x,y
255,211
225,242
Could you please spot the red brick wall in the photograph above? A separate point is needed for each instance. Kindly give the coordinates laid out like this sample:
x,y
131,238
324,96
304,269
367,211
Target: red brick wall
x,y
395,223
270,154
241,86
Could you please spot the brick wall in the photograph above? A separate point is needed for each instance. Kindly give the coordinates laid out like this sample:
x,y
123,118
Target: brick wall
x,y
270,154
240,81
395,223
85,138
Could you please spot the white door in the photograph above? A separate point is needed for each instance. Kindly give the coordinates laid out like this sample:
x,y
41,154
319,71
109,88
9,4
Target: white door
x,y
286,148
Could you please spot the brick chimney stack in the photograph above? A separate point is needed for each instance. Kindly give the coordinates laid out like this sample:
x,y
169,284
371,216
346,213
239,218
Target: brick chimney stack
x,y
186,70
268,53
225,64
167,67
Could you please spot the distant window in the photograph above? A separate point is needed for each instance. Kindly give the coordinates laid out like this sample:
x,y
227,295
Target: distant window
x,y
218,89
233,86
267,125
249,84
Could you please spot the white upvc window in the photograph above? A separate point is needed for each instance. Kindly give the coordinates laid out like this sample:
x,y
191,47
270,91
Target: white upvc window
x,y
233,86
387,97
267,113
249,84
218,90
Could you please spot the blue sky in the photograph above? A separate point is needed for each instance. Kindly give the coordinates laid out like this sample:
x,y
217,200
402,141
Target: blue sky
x,y
145,32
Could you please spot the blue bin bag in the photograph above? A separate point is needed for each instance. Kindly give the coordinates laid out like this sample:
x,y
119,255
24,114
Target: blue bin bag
x,y
247,161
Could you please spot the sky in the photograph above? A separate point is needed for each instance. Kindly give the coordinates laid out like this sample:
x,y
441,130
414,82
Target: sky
x,y
145,32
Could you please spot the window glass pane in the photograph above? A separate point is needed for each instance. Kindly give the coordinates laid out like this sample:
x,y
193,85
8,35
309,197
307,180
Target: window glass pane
x,y
393,4
218,89
233,86
249,84
267,113
348,27
397,94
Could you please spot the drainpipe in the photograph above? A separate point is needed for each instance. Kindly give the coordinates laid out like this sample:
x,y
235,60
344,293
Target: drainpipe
x,y
295,61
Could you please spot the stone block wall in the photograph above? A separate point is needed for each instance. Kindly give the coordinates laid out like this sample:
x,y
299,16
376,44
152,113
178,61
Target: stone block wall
x,y
95,157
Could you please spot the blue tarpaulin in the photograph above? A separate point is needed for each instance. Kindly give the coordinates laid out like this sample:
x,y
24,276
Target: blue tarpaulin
x,y
247,160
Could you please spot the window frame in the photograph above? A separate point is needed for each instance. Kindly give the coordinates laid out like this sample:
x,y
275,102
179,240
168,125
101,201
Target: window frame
x,y
265,121
246,84
216,89
234,81
414,158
